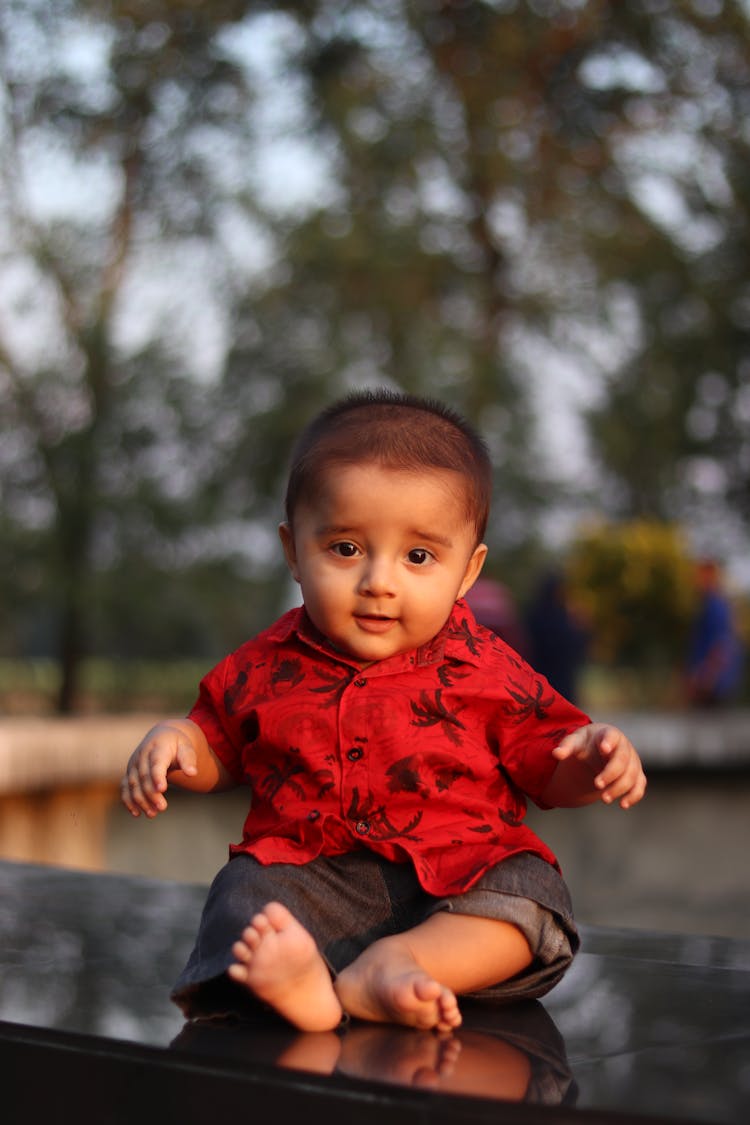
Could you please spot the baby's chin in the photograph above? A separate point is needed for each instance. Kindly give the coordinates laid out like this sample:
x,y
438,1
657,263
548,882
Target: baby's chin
x,y
372,648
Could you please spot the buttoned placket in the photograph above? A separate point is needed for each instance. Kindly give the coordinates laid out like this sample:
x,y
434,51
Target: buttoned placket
x,y
354,767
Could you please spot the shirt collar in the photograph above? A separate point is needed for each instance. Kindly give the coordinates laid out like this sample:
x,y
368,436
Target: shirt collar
x,y
457,640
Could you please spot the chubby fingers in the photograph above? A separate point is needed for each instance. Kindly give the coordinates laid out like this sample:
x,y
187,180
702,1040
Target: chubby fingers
x,y
145,781
576,744
621,777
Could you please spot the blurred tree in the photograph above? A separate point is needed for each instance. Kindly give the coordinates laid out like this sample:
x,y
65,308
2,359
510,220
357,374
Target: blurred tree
x,y
520,188
671,429
447,237
118,119
215,217
390,278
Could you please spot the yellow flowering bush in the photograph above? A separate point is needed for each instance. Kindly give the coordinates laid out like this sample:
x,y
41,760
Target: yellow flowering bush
x,y
634,584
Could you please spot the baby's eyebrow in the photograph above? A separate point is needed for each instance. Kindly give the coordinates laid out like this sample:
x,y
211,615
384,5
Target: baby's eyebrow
x,y
416,534
334,529
431,537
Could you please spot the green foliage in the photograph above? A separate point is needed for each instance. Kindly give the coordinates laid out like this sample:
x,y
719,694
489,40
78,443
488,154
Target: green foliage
x,y
634,582
485,191
671,265
157,687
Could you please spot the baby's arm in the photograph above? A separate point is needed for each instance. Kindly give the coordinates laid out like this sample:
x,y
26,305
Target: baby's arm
x,y
177,750
596,762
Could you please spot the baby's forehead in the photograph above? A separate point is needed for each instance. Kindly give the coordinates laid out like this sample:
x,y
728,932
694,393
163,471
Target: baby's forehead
x,y
366,492
342,477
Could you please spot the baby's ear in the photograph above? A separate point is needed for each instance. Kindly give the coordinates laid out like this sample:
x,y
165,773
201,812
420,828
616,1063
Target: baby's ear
x,y
290,552
473,568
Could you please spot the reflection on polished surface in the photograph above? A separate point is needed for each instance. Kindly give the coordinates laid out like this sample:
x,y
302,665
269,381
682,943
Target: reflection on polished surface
x,y
644,1024
517,1055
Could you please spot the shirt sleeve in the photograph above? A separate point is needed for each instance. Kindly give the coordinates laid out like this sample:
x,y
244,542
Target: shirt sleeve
x,y
533,720
210,713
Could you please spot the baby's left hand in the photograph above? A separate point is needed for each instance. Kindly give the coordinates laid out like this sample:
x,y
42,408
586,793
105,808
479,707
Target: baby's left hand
x,y
611,758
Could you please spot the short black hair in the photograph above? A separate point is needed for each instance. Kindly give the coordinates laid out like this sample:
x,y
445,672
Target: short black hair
x,y
398,431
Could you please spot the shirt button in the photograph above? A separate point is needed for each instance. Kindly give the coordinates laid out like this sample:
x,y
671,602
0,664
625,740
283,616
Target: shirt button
x,y
354,754
313,814
360,682
362,827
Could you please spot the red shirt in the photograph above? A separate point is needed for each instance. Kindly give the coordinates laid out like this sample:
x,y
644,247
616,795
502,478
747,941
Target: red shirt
x,y
426,756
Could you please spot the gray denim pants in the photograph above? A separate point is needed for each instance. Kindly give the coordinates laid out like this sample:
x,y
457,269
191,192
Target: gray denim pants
x,y
347,902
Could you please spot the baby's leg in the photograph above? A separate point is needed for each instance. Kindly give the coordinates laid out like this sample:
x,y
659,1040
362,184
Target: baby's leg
x,y
413,978
278,961
336,899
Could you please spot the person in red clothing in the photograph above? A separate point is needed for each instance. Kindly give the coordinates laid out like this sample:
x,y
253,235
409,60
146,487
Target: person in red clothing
x,y
390,743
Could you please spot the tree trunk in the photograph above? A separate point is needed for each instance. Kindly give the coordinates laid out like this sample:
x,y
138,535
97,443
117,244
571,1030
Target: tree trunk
x,y
71,654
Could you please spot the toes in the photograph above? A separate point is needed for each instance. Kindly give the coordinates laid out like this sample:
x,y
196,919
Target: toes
x,y
251,939
261,924
423,1003
238,972
277,916
241,951
449,1021
449,1016
426,989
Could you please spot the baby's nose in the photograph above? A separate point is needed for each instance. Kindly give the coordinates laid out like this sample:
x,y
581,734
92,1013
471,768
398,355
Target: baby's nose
x,y
378,578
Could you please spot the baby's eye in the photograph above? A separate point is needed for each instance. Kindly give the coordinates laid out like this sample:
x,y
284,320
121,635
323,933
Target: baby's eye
x,y
419,556
345,549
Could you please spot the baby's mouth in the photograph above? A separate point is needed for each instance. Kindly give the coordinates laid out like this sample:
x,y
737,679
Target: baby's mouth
x,y
374,622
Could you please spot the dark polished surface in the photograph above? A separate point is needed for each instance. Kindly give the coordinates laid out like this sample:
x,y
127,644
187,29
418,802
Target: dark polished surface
x,y
645,1026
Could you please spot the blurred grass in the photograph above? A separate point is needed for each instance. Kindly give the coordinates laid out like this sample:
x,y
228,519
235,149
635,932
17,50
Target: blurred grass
x,y
30,687
605,689
170,687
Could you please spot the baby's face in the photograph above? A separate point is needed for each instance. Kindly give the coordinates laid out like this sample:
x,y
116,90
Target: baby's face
x,y
381,556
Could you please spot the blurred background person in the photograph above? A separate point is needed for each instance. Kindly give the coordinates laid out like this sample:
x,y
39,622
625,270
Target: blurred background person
x,y
493,606
558,638
715,653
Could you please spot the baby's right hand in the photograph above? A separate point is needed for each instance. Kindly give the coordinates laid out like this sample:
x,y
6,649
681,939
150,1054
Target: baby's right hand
x,y
166,746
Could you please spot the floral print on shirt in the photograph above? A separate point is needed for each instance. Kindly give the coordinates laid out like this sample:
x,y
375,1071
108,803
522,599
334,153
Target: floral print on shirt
x,y
427,756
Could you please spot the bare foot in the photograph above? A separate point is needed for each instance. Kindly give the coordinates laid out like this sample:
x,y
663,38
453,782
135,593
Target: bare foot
x,y
386,984
278,961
